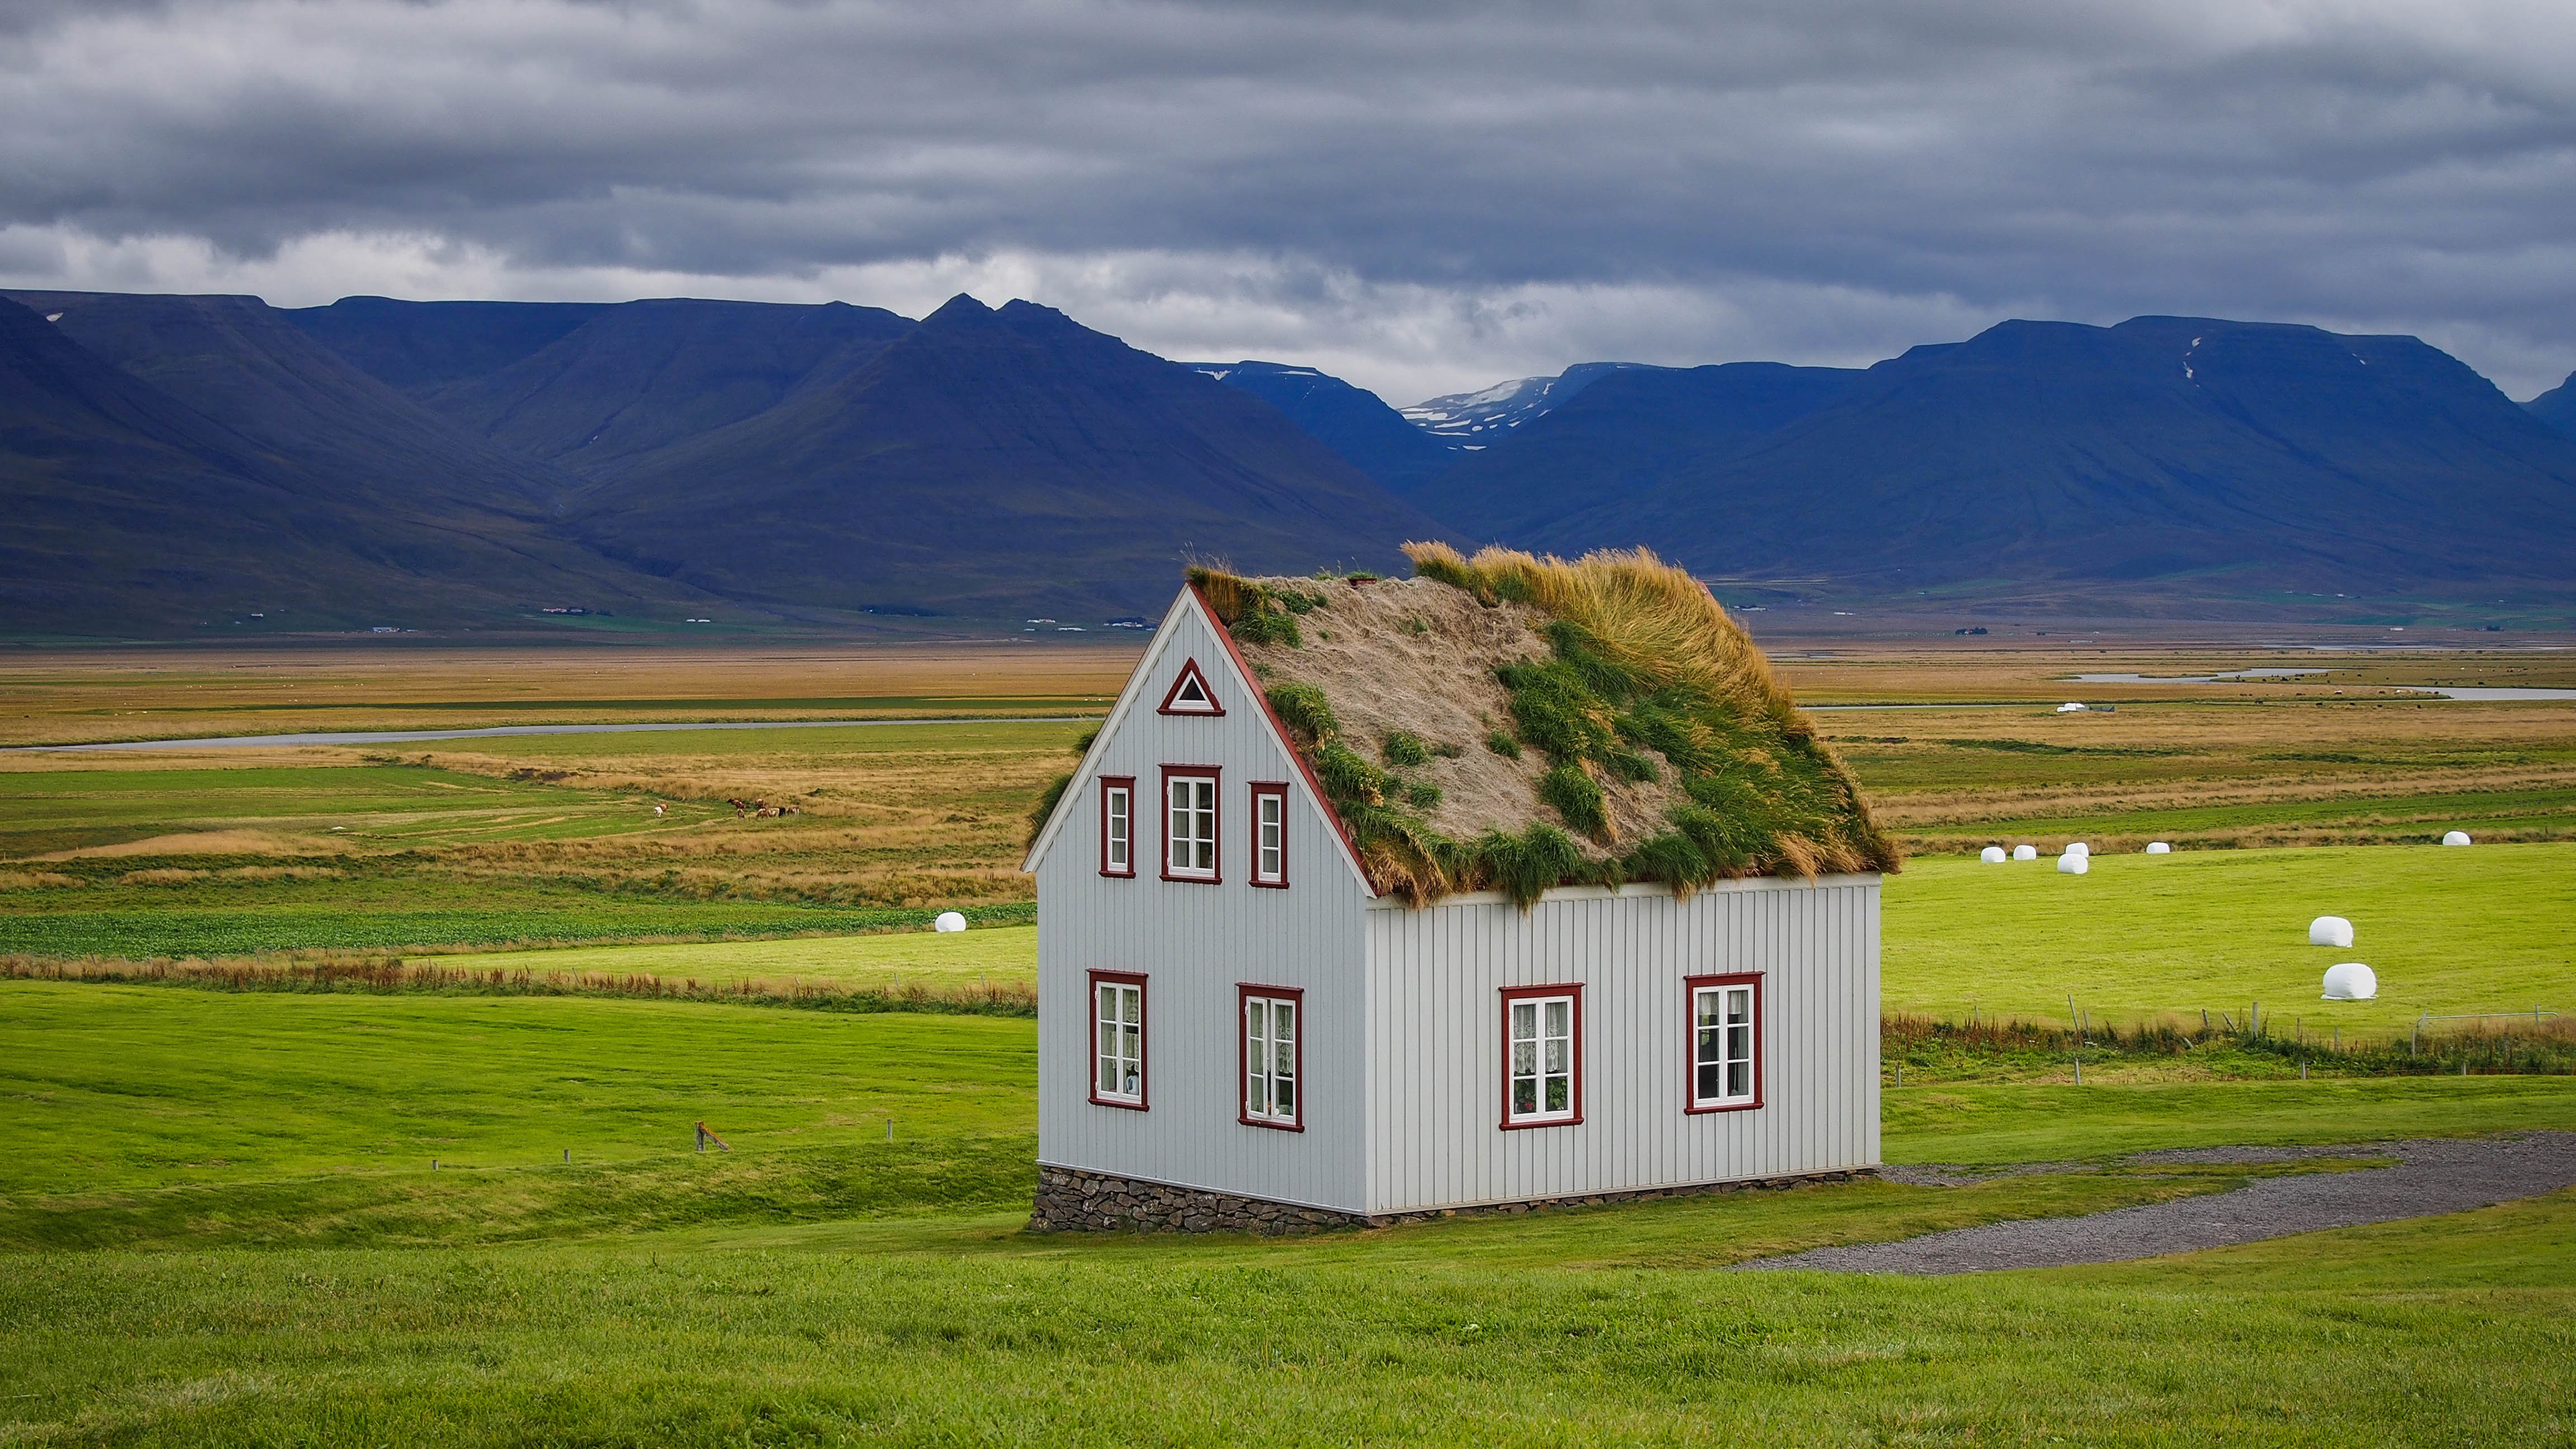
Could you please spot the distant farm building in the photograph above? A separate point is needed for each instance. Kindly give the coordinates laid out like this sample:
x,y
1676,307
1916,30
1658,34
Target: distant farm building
x,y
1517,882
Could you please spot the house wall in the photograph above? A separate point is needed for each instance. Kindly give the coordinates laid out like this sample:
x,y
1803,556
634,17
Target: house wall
x,y
1436,1039
1195,942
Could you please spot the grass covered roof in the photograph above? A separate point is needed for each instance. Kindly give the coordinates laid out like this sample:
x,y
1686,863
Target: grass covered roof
x,y
1513,723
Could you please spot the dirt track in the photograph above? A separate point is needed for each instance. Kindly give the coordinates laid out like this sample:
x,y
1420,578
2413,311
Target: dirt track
x,y
2433,1176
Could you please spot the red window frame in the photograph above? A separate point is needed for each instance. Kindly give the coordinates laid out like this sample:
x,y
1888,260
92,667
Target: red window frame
x,y
1215,776
1190,670
1245,991
1692,986
1091,985
1128,784
1275,790
1582,1062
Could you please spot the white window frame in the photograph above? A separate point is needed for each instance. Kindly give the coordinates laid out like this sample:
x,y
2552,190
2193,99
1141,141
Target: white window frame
x,y
1118,825
1118,1039
1270,1024
1202,861
1728,1041
1537,1008
1270,833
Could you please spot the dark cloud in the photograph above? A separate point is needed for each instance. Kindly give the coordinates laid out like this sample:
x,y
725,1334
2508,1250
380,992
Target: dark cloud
x,y
1804,178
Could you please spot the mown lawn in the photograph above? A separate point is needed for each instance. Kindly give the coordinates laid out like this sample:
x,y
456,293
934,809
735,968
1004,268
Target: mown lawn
x,y
2446,930
221,1228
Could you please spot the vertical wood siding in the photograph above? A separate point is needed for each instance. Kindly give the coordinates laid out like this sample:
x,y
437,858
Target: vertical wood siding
x,y
1195,942
1436,1052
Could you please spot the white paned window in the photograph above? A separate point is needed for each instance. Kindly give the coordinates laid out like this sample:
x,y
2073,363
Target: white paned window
x,y
1724,1032
1270,835
1540,1037
1270,1059
1118,1029
1190,833
1118,827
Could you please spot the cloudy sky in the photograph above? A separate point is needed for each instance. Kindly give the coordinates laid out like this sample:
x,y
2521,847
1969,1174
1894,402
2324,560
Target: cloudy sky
x,y
1421,198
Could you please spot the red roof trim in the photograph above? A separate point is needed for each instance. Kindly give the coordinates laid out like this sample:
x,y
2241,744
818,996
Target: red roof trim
x,y
1323,802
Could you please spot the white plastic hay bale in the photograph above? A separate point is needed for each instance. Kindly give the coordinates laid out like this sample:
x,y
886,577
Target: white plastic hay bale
x,y
1991,855
2025,852
2332,931
2159,847
2078,848
2456,837
2073,864
2351,981
949,921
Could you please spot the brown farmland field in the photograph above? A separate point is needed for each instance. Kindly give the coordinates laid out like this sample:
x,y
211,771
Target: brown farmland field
x,y
921,816
76,696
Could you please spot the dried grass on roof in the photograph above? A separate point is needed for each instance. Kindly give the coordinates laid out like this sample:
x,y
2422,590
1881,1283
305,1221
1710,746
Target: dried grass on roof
x,y
1638,714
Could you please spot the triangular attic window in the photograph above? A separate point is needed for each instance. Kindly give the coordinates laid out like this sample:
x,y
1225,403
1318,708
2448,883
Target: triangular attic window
x,y
1190,693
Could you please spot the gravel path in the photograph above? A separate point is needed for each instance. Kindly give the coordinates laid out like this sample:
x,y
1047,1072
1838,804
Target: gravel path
x,y
2442,1175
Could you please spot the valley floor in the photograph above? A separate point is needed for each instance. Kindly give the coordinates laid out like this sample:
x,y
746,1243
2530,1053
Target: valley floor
x,y
222,1227
409,1212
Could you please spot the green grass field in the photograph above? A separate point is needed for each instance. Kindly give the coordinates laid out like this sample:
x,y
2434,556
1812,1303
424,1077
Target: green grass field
x,y
222,1226
1004,955
2446,930
306,1279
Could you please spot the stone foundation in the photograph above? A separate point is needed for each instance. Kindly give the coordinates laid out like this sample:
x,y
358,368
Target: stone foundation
x,y
1073,1201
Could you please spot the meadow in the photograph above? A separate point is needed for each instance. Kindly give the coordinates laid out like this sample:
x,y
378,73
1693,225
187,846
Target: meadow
x,y
224,1227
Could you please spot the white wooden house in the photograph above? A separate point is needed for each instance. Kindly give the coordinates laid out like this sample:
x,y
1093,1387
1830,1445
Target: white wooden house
x,y
1238,1029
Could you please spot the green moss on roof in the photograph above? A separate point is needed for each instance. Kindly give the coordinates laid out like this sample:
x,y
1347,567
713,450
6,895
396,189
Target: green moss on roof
x,y
1629,730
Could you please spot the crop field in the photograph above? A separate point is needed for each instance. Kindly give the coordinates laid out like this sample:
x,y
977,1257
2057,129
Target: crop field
x,y
223,1228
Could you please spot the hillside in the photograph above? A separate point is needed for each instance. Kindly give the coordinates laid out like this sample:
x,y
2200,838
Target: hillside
x,y
1354,422
2171,458
1620,436
2557,407
131,511
644,375
409,346
1471,421
246,364
992,460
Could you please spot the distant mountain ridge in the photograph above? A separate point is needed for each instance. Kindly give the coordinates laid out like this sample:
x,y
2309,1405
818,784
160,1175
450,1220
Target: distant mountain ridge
x,y
2044,461
1473,421
2557,407
451,462
131,507
1356,423
989,457
171,460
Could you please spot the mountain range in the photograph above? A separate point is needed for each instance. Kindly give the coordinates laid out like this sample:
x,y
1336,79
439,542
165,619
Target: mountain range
x,y
172,463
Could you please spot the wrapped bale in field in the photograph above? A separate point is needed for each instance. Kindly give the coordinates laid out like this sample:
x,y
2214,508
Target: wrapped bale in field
x,y
2330,931
2073,864
1991,855
2351,981
2159,847
2025,852
2456,837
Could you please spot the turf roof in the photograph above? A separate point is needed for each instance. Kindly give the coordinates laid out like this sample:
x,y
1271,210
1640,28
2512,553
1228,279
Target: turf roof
x,y
1514,723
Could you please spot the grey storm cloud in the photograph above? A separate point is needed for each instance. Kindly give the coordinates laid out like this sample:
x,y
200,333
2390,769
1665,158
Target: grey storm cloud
x,y
1812,165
